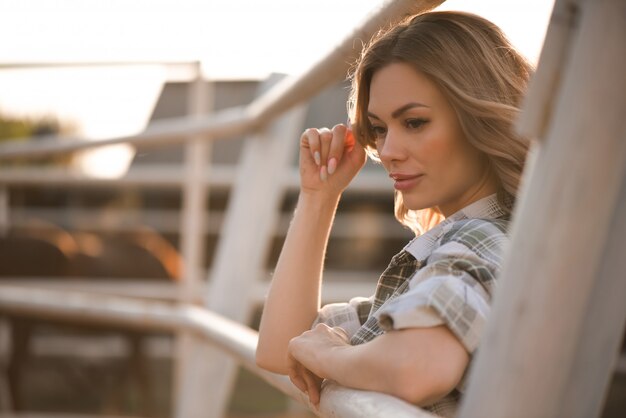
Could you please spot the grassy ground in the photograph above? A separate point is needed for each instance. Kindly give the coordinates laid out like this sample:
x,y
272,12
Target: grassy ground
x,y
109,387
71,386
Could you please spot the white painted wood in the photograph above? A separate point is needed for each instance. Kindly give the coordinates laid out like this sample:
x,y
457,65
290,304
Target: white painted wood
x,y
191,376
249,224
238,340
235,121
170,176
341,286
229,123
335,65
339,401
554,279
195,191
224,124
84,308
545,83
601,330
173,71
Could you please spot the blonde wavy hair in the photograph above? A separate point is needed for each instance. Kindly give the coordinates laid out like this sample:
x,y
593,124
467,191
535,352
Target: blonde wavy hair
x,y
479,72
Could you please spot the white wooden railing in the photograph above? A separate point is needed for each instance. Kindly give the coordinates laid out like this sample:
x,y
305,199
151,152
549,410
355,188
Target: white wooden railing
x,y
236,339
558,311
196,326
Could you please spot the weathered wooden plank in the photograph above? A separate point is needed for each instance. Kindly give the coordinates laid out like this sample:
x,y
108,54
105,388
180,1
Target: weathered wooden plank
x,y
235,121
341,402
545,83
555,275
237,340
170,176
340,286
191,376
597,350
249,223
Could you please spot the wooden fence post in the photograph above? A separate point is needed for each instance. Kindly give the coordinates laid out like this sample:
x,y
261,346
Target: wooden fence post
x,y
189,372
559,312
248,227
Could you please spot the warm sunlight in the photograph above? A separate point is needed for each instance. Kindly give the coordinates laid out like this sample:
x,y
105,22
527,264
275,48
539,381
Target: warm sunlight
x,y
233,39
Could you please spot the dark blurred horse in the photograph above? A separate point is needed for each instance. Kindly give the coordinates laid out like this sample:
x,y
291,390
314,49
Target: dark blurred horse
x,y
43,250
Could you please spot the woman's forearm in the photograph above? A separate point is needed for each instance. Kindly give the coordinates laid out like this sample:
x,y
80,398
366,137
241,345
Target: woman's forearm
x,y
417,365
294,296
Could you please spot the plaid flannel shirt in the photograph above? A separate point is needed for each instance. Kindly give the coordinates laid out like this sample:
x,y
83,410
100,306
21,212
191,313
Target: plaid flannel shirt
x,y
443,277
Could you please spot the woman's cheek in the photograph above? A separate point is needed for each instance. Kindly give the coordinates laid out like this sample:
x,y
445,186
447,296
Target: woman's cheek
x,y
433,151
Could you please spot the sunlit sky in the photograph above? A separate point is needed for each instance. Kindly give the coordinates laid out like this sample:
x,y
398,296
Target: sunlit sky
x,y
232,38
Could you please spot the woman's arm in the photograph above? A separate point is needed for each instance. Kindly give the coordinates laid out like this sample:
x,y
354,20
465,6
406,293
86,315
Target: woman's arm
x,y
418,362
327,165
419,365
294,296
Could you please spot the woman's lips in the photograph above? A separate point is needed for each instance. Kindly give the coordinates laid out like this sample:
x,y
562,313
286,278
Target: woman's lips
x,y
405,181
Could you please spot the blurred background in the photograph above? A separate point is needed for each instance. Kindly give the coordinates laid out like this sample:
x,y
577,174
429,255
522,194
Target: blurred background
x,y
98,69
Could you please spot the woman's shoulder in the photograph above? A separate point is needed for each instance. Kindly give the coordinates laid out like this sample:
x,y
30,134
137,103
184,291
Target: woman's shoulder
x,y
477,232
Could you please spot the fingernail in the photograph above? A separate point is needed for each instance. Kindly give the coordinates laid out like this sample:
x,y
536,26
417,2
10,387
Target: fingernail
x,y
323,173
332,165
318,159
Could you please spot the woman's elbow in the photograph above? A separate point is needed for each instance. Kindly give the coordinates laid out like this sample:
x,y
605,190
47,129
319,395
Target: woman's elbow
x,y
265,360
425,388
423,393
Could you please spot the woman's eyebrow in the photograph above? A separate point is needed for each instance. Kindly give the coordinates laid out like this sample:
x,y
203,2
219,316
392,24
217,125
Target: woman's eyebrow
x,y
406,107
396,113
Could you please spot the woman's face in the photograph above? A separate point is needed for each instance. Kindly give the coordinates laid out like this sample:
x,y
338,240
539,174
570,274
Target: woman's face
x,y
421,145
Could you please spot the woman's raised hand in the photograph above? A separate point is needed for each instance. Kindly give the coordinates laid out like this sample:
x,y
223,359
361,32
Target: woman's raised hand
x,y
329,160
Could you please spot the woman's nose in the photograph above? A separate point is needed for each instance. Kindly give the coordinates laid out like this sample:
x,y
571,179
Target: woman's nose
x,y
391,148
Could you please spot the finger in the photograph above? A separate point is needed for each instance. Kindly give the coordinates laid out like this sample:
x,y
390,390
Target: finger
x,y
336,147
311,139
342,333
326,137
298,381
313,387
356,154
295,373
350,139
314,397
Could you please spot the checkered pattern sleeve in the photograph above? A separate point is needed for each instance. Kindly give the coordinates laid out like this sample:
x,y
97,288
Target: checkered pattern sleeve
x,y
349,316
454,287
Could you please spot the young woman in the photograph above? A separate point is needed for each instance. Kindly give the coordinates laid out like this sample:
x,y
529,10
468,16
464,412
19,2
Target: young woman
x,y
434,100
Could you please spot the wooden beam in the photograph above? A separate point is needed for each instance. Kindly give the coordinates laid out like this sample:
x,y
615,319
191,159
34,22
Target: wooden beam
x,y
248,227
597,352
190,371
236,339
339,286
545,83
560,269
239,120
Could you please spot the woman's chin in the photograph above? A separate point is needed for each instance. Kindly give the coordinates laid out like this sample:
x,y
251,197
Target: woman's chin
x,y
413,203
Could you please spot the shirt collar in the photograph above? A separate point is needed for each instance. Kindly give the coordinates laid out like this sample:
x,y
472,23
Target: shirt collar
x,y
486,208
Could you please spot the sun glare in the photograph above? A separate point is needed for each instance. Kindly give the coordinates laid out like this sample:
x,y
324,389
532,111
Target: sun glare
x,y
234,40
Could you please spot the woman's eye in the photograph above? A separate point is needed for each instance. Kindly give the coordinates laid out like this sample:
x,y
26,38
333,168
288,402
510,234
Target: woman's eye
x,y
379,131
415,123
